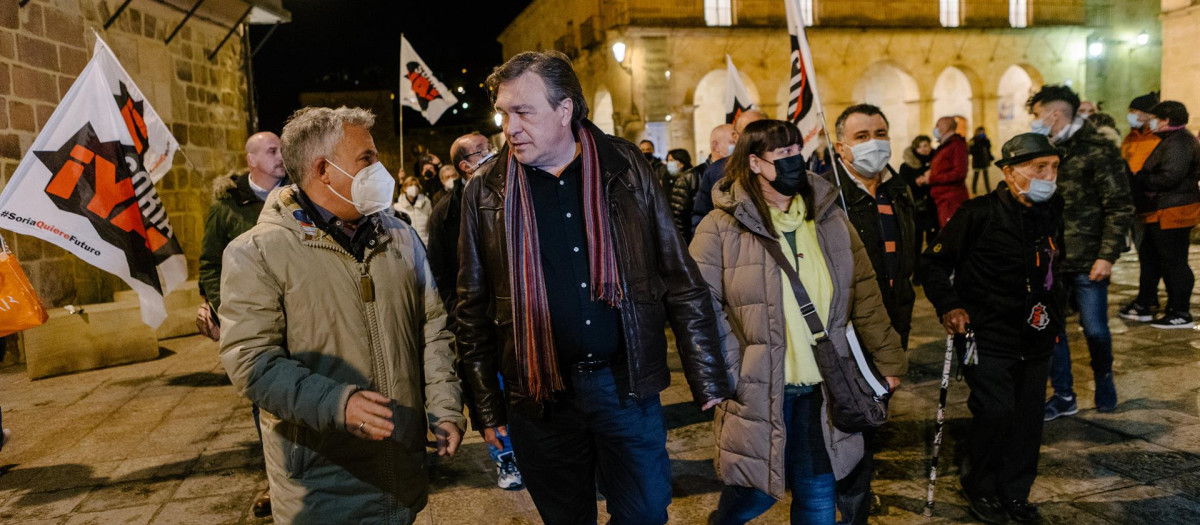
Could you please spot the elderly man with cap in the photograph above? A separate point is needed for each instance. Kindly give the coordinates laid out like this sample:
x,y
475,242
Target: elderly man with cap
x,y
1002,249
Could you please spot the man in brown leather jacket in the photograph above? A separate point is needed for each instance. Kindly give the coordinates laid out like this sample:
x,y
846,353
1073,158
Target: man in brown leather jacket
x,y
570,266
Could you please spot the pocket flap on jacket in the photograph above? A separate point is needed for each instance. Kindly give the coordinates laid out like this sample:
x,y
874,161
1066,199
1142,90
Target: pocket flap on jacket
x,y
503,314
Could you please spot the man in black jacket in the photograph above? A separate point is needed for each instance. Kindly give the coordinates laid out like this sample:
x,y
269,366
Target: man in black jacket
x,y
683,190
1003,250
570,265
881,209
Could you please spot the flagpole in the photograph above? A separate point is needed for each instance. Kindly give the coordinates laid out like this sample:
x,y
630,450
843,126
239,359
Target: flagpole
x,y
400,104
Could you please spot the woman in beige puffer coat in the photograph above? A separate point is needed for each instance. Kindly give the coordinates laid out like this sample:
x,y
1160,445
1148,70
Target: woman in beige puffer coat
x,y
775,434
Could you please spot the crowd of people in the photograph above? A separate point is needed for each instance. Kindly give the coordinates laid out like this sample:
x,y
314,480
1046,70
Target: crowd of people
x,y
531,287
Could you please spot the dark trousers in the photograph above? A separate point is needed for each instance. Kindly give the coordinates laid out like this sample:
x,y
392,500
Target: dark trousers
x,y
854,490
1005,437
808,470
597,435
1164,256
987,186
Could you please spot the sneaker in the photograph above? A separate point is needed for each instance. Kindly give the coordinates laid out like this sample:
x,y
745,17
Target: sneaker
x,y
985,509
507,475
1136,312
1106,393
1059,406
4,435
1022,511
1173,321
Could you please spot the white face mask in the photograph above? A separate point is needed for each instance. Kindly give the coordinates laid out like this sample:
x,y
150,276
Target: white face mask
x,y
1154,125
673,167
1134,121
371,191
871,157
937,134
729,150
449,184
411,192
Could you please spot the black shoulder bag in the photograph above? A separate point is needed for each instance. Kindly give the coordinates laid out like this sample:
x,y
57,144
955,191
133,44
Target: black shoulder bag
x,y
856,402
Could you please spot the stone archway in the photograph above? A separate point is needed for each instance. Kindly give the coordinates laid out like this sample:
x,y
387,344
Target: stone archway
x,y
895,92
602,111
1015,86
709,102
954,97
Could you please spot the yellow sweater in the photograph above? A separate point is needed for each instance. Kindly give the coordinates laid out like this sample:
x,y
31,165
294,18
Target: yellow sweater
x,y
800,367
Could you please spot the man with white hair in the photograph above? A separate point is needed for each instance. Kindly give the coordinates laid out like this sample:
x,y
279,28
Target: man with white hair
x,y
333,326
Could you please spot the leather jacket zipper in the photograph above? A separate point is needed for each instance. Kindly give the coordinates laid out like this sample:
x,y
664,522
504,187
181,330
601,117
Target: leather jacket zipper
x,y
628,312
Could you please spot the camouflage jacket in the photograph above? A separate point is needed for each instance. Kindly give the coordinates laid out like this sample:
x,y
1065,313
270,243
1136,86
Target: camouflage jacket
x,y
1097,205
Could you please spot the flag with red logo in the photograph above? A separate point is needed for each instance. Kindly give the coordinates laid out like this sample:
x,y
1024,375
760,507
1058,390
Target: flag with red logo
x,y
419,89
804,106
737,99
87,184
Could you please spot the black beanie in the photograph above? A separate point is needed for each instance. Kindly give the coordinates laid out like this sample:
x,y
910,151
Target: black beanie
x,y
1145,102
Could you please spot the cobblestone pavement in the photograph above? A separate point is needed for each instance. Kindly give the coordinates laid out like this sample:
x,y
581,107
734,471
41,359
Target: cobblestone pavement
x,y
168,442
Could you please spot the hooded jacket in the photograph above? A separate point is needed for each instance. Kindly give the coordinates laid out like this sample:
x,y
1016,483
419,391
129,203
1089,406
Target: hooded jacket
x,y
1097,206
234,211
747,290
305,325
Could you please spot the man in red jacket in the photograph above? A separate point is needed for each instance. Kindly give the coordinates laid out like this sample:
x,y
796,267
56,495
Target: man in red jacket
x,y
948,174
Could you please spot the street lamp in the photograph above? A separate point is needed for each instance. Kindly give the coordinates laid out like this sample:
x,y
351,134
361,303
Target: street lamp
x,y
618,49
1143,38
1095,49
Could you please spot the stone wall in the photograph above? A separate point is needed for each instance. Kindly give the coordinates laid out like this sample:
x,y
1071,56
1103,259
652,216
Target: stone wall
x,y
1180,61
47,43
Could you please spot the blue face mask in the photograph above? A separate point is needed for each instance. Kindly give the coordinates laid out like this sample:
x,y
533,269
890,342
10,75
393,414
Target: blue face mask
x,y
1040,190
1040,127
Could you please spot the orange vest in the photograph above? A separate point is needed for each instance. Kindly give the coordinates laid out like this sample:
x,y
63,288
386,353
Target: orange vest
x,y
1136,148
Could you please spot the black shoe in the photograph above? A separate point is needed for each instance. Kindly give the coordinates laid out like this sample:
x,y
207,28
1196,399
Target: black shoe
x,y
1173,321
1022,511
986,509
1136,312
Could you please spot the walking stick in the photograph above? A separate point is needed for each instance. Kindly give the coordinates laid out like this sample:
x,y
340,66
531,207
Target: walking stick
x,y
970,357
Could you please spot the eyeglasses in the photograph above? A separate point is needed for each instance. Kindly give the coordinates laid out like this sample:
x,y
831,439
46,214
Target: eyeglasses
x,y
480,152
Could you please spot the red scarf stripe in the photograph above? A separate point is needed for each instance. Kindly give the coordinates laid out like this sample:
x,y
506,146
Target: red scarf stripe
x,y
532,335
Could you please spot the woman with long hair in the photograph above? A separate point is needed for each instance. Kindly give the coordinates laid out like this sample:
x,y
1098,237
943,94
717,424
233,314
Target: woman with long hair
x,y
775,434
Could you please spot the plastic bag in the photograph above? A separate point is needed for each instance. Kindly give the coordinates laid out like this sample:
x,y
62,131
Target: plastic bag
x,y
20,308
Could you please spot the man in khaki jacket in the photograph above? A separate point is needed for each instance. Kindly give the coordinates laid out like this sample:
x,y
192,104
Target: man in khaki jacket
x,y
332,324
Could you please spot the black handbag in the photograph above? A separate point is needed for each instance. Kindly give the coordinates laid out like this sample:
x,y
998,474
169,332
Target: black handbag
x,y
856,392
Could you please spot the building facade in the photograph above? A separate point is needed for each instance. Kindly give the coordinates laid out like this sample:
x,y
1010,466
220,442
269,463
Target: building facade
x,y
978,59
197,84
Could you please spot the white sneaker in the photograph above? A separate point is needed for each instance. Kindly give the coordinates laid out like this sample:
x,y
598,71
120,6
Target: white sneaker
x,y
4,437
507,475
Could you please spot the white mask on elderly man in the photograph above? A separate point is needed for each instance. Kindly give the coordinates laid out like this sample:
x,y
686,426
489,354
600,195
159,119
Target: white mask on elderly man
x,y
371,191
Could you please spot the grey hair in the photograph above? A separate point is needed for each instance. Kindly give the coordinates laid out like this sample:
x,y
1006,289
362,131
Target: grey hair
x,y
313,132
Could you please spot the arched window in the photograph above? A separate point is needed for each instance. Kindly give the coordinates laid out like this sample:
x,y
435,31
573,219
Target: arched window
x,y
718,12
1018,13
950,12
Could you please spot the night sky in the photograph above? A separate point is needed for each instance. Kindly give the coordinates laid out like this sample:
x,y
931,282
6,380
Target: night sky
x,y
353,45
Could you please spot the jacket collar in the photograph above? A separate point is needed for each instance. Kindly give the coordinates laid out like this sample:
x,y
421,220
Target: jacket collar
x,y
283,208
612,163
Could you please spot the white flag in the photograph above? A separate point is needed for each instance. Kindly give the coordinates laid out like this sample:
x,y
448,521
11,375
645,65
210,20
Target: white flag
x,y
804,105
87,184
737,99
419,89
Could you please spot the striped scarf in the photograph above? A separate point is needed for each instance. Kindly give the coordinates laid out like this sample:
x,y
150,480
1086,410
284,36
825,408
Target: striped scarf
x,y
532,335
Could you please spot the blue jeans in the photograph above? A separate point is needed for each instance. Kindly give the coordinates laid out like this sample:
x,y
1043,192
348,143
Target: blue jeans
x,y
598,434
504,440
808,471
1092,297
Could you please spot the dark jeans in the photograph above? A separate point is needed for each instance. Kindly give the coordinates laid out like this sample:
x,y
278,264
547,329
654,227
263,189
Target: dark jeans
x,y
808,471
1005,436
854,490
1164,256
987,186
599,434
1092,297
